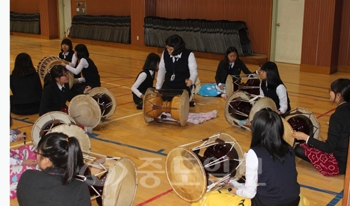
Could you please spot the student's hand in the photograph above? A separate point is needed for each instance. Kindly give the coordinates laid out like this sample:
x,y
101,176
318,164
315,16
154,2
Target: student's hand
x,y
29,162
63,63
299,135
188,82
233,190
21,136
221,87
87,89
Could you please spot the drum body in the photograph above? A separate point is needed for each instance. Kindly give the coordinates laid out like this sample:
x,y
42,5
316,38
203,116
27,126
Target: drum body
x,y
105,99
157,102
241,107
303,120
49,121
45,65
247,83
201,166
115,179
89,110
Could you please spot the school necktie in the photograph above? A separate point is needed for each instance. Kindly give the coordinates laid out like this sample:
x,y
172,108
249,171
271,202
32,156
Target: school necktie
x,y
63,89
231,65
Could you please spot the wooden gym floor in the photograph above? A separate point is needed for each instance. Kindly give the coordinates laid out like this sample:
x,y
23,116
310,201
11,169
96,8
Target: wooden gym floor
x,y
126,134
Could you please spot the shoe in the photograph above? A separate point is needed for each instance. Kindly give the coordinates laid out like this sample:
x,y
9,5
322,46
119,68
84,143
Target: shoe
x,y
139,106
192,104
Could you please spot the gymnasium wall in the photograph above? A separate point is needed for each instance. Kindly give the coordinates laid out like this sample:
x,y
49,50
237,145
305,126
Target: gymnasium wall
x,y
326,34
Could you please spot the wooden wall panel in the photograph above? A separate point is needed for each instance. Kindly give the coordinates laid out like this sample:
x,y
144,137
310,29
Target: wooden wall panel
x,y
25,6
49,18
321,32
105,7
344,46
256,14
140,9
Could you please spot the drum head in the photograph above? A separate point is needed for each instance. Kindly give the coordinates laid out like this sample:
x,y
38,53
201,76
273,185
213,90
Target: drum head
x,y
72,130
121,183
229,85
186,174
85,110
288,130
47,122
237,107
184,108
261,103
105,100
303,120
151,100
70,79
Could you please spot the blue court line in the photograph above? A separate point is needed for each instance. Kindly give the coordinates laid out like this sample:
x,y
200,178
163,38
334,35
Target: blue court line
x,y
319,190
336,199
24,120
160,152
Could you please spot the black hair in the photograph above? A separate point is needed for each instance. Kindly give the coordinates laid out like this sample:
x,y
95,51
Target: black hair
x,y
23,65
273,78
67,42
342,86
56,71
267,131
177,42
64,152
151,62
82,51
228,51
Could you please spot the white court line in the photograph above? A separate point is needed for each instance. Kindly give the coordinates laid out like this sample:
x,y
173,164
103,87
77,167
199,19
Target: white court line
x,y
116,85
112,120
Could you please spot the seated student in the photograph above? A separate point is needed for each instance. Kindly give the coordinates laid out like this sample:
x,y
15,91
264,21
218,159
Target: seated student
x,y
26,86
145,79
230,65
56,91
177,67
21,159
271,175
67,54
272,86
330,157
270,170
60,158
87,67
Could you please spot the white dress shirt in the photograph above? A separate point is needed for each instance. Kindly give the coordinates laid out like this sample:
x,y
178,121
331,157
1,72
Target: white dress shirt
x,y
141,78
248,189
82,64
281,92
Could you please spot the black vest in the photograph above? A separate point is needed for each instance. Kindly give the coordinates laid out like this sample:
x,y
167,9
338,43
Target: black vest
x,y
271,93
179,68
147,83
91,75
277,181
